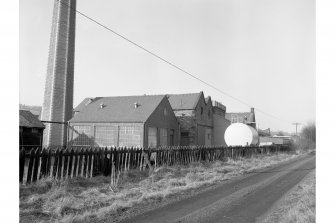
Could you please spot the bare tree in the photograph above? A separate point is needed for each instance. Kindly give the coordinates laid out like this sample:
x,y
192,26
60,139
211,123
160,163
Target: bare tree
x,y
308,132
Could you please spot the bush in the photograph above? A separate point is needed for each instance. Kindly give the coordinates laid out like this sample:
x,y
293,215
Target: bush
x,y
307,139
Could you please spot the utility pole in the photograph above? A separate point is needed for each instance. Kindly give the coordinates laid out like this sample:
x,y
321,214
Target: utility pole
x,y
296,127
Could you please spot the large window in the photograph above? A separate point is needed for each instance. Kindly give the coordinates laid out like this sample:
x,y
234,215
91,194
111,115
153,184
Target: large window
x,y
234,118
81,135
163,137
130,136
106,136
152,137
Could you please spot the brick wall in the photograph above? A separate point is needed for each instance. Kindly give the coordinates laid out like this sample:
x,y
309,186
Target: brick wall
x,y
58,93
163,117
196,124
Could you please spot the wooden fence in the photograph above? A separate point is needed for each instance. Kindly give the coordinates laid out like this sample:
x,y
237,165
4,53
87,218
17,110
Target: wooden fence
x,y
88,162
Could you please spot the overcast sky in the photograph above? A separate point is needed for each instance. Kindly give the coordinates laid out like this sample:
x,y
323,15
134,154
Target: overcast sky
x,y
260,51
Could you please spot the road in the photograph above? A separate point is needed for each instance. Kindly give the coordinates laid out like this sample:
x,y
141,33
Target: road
x,y
244,199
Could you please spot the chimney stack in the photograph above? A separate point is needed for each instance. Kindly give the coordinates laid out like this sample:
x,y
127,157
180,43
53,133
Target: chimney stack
x,y
252,110
58,92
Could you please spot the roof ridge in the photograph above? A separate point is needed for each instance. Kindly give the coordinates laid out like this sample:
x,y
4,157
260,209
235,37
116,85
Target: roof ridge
x,y
146,95
185,93
237,112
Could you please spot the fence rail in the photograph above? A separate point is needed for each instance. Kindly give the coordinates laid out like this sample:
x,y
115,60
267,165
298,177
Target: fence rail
x,y
60,163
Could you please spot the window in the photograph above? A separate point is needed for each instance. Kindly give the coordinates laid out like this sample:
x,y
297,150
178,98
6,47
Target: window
x,y
106,136
81,135
201,110
234,118
184,134
209,114
130,136
165,112
34,130
163,137
152,137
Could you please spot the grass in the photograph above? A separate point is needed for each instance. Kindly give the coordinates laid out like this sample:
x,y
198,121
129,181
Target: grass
x,y
298,206
91,200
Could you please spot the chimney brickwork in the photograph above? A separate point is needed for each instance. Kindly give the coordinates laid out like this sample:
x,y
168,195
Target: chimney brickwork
x,y
58,93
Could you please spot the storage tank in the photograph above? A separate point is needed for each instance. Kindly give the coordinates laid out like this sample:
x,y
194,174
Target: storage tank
x,y
239,134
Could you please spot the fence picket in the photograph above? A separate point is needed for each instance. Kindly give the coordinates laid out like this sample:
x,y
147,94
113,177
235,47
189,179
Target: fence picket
x,y
30,165
22,164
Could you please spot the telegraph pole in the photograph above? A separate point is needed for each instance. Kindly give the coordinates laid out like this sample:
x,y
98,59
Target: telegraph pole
x,y
296,127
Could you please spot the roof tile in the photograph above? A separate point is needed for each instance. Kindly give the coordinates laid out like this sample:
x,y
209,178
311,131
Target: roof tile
x,y
118,109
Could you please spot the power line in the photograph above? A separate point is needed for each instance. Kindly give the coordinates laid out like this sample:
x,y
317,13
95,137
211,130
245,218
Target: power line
x,y
168,62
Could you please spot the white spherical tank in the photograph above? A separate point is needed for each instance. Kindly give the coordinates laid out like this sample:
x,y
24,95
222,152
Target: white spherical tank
x,y
239,134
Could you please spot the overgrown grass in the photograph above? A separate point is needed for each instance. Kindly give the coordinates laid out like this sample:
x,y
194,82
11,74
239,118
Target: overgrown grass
x,y
88,200
298,206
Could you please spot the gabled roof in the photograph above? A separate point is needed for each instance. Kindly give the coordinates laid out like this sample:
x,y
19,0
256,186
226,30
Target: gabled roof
x,y
184,101
207,99
27,119
85,102
36,110
118,109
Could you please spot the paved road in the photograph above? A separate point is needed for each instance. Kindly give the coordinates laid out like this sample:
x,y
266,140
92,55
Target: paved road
x,y
242,200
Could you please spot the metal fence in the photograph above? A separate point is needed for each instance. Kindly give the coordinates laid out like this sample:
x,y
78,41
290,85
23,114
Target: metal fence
x,y
63,163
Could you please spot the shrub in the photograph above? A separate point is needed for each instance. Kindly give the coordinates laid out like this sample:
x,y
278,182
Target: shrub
x,y
307,139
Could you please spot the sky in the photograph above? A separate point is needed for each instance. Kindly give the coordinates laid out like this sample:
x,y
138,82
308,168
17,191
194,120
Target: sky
x,y
259,51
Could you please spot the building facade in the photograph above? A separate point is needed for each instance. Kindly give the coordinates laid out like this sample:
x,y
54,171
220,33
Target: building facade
x,y
130,121
195,116
220,123
248,118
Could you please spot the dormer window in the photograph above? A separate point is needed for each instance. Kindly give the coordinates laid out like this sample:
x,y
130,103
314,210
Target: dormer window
x,y
102,105
136,105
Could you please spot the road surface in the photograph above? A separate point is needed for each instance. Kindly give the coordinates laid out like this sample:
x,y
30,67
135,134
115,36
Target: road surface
x,y
245,199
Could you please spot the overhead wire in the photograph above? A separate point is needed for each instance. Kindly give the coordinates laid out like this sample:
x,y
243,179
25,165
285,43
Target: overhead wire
x,y
168,62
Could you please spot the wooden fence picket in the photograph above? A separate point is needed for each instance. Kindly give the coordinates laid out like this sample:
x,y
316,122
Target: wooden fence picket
x,y
30,165
64,163
22,164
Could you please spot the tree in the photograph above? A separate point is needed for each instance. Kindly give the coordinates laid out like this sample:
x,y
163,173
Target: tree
x,y
307,140
308,132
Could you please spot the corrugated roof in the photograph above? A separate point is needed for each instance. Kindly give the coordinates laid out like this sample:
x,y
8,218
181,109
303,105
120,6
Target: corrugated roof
x,y
27,119
184,101
118,109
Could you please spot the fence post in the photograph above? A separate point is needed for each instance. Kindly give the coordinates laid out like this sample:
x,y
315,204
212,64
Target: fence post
x,y
88,163
30,165
22,164
66,163
71,164
44,160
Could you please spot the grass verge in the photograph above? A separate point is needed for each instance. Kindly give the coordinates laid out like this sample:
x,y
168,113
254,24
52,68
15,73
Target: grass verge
x,y
298,206
91,200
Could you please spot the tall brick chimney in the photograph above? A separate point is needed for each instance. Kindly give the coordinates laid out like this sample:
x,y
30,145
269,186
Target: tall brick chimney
x,y
58,93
